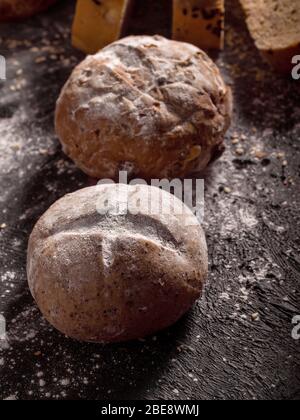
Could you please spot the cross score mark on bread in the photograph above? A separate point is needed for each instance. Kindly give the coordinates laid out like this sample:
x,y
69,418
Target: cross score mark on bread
x,y
114,278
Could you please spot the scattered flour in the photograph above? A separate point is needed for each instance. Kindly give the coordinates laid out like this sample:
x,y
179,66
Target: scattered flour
x,y
247,218
11,398
8,276
65,382
236,219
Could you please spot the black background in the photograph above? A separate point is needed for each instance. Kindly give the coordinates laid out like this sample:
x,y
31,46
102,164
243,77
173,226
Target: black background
x,y
220,349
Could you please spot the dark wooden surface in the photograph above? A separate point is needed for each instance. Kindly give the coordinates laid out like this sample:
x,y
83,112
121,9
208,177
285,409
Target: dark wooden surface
x,y
236,343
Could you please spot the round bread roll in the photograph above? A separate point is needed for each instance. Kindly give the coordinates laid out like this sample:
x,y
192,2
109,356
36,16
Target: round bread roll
x,y
102,274
19,9
154,107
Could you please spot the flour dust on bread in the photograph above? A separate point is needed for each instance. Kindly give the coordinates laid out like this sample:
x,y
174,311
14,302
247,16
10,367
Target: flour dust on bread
x,y
20,9
158,107
109,277
275,28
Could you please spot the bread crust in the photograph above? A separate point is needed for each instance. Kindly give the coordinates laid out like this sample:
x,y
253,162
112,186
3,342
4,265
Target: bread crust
x,y
20,9
115,278
156,107
274,26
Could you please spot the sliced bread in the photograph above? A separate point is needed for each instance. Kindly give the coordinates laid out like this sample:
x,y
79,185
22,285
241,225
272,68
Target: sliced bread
x,y
275,28
98,23
200,22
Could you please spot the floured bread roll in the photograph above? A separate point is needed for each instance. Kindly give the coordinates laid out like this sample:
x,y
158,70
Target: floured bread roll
x,y
155,106
19,9
108,276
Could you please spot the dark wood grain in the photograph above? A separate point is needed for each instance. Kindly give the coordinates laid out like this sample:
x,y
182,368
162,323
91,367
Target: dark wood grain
x,y
236,343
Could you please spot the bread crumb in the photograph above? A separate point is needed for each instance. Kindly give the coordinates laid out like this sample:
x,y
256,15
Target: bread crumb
x,y
240,151
255,316
40,60
227,190
260,154
42,383
65,382
15,147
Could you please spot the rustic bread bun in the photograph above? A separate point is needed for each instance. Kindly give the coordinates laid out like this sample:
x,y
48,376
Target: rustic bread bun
x,y
157,107
19,9
274,26
108,277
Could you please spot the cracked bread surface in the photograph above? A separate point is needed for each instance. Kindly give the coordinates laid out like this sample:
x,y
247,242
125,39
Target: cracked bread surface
x,y
106,277
156,107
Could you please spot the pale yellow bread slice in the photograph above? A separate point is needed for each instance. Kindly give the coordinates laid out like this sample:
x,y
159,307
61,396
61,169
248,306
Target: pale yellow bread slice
x,y
199,22
98,23
275,27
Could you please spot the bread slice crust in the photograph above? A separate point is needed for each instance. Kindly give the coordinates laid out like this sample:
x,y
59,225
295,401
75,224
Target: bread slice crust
x,y
275,27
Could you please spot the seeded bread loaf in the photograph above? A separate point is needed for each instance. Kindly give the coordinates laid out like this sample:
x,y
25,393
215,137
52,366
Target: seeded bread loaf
x,y
19,9
275,28
104,276
200,22
154,107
